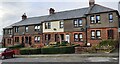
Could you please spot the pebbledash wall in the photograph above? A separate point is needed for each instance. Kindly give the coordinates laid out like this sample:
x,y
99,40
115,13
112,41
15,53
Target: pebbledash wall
x,y
92,25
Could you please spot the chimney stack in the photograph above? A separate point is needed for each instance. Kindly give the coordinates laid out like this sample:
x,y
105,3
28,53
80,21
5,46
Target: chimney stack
x,y
24,16
51,11
91,2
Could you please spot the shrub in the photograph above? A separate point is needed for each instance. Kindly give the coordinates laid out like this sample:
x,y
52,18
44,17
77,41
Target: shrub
x,y
58,50
63,43
16,46
109,42
28,51
75,45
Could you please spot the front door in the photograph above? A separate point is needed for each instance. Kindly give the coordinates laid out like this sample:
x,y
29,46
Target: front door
x,y
110,34
56,37
30,41
22,40
67,38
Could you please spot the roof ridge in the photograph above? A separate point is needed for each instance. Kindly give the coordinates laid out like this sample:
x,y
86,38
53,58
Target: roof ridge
x,y
105,7
71,10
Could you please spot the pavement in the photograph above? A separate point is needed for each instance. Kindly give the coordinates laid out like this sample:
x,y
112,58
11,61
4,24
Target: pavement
x,y
70,55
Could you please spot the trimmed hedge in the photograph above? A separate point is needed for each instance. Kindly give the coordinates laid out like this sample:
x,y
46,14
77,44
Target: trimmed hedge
x,y
16,46
49,50
28,51
58,50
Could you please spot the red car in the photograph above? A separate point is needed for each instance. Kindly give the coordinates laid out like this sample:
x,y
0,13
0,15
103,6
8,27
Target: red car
x,y
6,52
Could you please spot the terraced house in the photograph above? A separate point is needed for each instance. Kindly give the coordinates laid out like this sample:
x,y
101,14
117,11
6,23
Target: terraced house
x,y
85,25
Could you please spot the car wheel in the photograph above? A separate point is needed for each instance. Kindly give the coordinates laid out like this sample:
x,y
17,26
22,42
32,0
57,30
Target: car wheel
x,y
13,55
3,57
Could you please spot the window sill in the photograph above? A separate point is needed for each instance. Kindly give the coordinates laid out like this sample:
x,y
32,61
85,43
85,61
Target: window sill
x,y
36,41
78,27
96,39
78,41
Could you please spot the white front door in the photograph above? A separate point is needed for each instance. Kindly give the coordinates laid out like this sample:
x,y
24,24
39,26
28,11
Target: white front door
x,y
67,38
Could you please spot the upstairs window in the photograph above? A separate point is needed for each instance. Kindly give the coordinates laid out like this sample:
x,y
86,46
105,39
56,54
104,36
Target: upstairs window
x,y
97,18
37,39
3,31
9,31
78,37
16,29
92,19
77,23
61,24
37,27
26,28
47,25
110,17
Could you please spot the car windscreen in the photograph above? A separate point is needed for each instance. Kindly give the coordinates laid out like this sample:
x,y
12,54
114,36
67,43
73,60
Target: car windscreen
x,y
2,50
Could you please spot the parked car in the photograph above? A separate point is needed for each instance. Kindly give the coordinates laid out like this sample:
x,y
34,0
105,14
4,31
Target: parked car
x,y
6,52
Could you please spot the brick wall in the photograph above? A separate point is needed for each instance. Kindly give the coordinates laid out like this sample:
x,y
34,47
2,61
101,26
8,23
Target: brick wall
x,y
104,35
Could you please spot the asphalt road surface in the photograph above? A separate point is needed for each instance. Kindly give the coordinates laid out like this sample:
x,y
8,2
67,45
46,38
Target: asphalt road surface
x,y
113,60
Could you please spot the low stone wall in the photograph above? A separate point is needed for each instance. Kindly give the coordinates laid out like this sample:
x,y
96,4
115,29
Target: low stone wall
x,y
79,50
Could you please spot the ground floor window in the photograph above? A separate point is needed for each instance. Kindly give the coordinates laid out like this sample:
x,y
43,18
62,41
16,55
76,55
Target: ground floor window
x,y
95,34
37,38
78,37
9,41
47,37
110,34
26,39
16,39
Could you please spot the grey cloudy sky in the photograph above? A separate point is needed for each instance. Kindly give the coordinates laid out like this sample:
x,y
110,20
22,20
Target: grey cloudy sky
x,y
11,11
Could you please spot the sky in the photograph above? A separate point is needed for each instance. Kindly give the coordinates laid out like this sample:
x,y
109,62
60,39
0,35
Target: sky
x,y
12,10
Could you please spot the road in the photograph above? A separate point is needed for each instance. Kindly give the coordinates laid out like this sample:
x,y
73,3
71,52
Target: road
x,y
63,59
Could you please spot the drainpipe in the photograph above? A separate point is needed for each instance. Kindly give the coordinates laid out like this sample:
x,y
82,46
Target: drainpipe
x,y
13,35
86,27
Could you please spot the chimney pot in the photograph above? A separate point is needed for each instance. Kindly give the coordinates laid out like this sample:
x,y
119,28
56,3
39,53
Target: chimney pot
x,y
91,2
51,11
24,16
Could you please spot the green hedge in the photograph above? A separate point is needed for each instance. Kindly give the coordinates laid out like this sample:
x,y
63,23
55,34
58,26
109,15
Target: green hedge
x,y
58,50
28,51
16,46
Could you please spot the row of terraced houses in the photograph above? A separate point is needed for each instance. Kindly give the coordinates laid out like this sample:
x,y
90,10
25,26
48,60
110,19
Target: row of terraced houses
x,y
85,25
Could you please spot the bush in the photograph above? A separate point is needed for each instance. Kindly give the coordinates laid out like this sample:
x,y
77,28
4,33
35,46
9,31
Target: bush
x,y
110,42
75,45
58,50
63,43
16,46
28,51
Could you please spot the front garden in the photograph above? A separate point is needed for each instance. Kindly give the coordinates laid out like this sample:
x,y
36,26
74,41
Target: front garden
x,y
105,46
64,47
53,48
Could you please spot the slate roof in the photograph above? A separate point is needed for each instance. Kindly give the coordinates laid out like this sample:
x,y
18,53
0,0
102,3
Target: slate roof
x,y
76,13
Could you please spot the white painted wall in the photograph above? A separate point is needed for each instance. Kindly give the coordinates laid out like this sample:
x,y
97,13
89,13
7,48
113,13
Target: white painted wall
x,y
54,24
